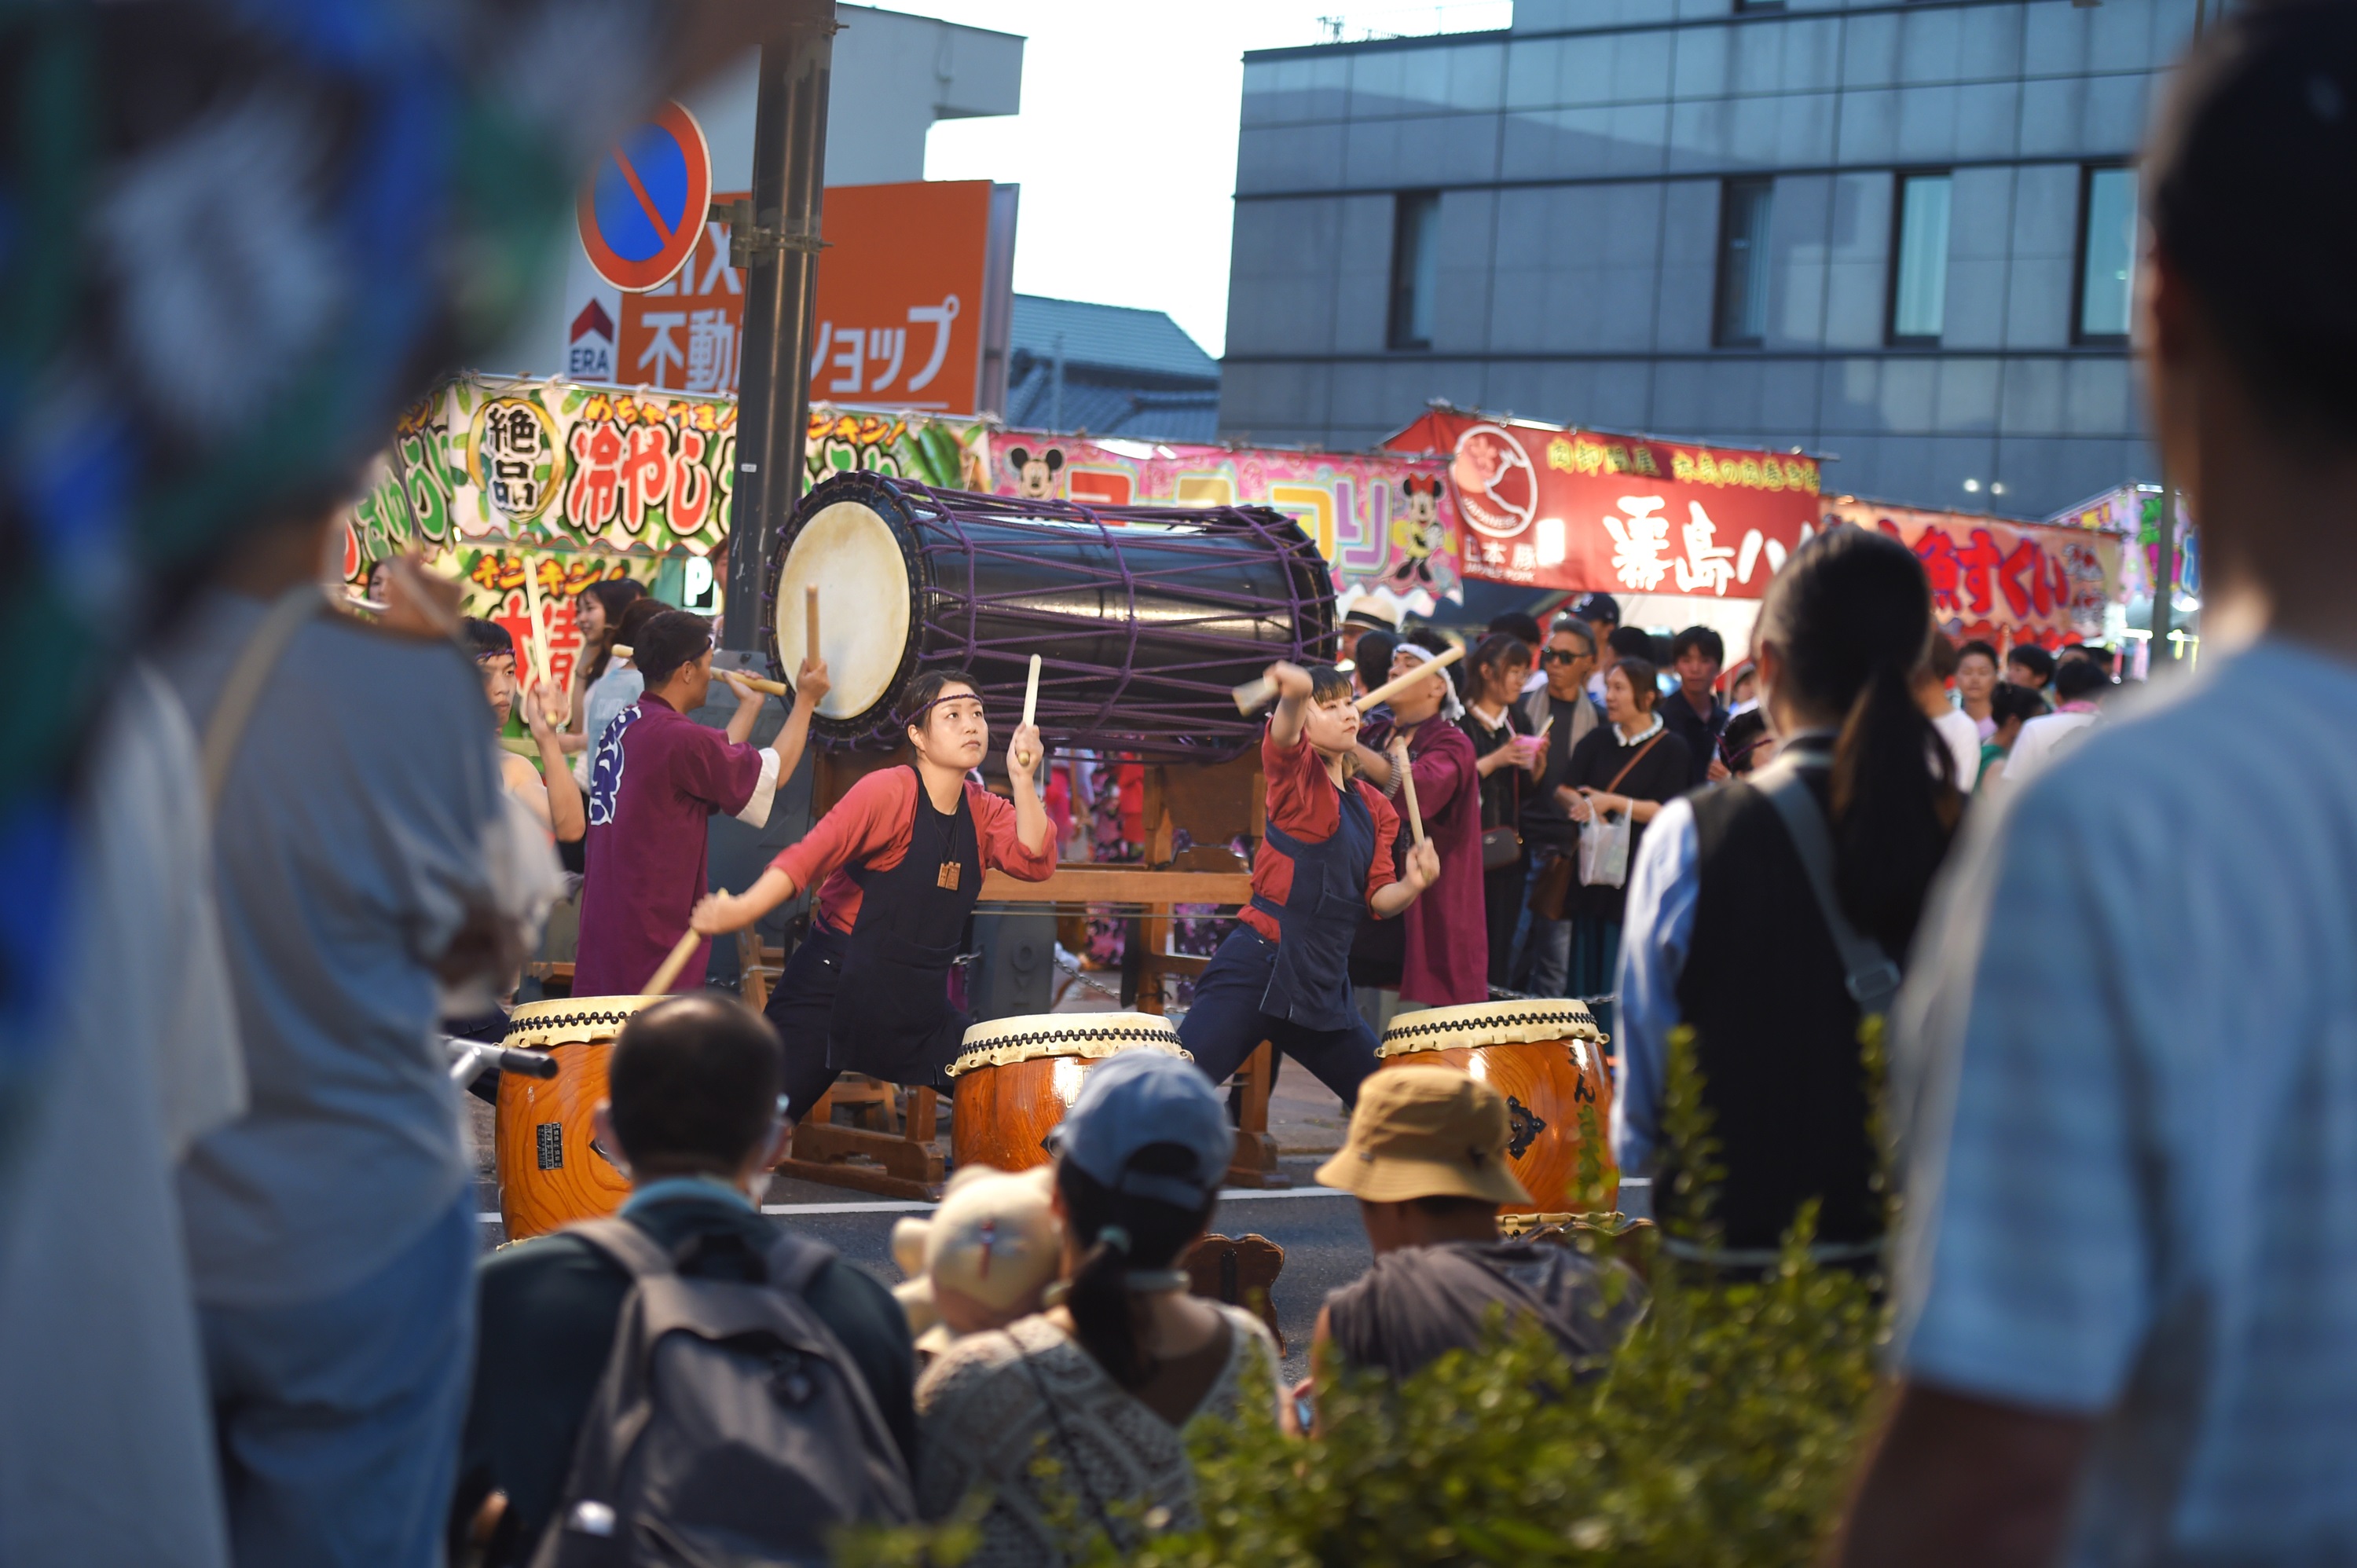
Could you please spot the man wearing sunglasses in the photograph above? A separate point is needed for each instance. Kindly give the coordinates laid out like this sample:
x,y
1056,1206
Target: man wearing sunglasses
x,y
1568,661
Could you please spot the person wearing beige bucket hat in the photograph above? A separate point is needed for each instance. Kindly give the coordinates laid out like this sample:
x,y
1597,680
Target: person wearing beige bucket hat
x,y
1426,1158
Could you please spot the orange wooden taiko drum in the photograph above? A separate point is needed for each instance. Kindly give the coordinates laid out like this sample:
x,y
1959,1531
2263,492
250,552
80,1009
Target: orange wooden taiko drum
x,y
1545,1057
1017,1077
552,1171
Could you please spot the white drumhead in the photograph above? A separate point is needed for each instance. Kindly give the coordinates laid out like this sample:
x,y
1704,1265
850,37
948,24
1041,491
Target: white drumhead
x,y
1488,1024
854,556
1004,1041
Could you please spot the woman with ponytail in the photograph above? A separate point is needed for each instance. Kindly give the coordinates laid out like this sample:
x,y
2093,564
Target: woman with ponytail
x,y
1104,1383
1770,915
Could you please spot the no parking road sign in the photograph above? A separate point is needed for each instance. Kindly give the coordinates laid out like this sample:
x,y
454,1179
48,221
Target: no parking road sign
x,y
644,208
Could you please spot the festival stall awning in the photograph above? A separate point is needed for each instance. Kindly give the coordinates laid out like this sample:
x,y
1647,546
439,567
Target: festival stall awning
x,y
2133,512
1385,523
493,479
1998,580
1548,506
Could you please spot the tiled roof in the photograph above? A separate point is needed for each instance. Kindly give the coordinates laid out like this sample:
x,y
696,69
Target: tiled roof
x,y
1109,336
1139,412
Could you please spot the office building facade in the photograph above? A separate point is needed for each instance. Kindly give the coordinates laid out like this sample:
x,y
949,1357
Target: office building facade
x,y
1898,234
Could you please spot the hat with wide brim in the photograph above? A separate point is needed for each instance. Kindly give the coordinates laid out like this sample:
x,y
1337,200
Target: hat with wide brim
x,y
1425,1131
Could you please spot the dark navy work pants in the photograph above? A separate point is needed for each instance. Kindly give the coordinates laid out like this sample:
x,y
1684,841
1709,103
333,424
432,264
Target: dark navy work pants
x,y
1226,1024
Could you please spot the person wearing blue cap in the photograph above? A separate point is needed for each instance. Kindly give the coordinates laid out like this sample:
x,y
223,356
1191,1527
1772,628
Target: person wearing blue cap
x,y
1108,1379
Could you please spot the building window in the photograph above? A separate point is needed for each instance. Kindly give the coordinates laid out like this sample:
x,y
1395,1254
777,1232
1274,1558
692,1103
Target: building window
x,y
2107,254
1743,262
1919,259
1415,267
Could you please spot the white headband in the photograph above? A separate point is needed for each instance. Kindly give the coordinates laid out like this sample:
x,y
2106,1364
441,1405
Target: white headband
x,y
1451,708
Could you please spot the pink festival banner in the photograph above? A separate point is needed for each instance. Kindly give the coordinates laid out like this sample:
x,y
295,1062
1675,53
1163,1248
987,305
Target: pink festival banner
x,y
1998,581
1387,525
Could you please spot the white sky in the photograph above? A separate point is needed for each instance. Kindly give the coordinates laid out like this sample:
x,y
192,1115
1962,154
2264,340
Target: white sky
x,y
1125,148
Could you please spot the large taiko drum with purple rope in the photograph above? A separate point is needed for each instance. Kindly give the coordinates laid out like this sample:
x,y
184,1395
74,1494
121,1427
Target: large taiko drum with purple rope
x,y
1146,617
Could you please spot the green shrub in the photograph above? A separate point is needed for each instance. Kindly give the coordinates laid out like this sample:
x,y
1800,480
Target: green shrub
x,y
1723,1432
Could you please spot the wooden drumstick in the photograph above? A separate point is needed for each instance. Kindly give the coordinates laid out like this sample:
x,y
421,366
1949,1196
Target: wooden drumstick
x,y
680,953
621,651
758,683
1031,703
1407,787
1253,695
810,620
540,670
1392,688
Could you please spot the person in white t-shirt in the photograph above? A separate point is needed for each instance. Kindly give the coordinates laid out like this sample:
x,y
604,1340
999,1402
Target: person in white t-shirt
x,y
2122,1061
2077,683
1957,731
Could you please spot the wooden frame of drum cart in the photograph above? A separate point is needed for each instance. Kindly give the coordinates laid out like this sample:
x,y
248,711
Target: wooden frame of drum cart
x,y
1147,618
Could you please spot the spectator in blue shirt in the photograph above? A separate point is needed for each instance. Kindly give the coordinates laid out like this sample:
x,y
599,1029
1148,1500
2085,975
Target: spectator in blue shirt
x,y
2127,1054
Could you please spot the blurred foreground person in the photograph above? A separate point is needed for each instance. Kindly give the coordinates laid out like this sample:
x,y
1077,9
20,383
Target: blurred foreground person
x,y
1770,915
1426,1158
1104,1383
372,874
2129,1280
692,1114
106,1456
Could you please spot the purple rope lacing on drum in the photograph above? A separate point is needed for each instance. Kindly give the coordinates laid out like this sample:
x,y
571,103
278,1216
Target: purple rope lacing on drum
x,y
1195,730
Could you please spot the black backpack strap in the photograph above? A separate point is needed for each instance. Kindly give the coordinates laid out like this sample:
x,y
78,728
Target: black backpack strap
x,y
795,1260
1872,980
638,1253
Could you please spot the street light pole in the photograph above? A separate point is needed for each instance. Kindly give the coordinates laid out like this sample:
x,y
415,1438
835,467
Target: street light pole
x,y
774,240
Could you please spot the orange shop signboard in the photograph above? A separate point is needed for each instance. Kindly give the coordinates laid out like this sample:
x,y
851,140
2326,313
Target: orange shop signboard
x,y
901,303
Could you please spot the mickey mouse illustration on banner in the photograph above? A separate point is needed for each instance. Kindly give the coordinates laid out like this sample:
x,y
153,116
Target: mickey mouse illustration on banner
x,y
1035,477
1418,532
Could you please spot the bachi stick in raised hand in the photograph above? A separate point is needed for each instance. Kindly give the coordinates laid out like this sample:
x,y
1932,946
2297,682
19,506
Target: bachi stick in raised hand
x,y
1407,788
1253,695
810,620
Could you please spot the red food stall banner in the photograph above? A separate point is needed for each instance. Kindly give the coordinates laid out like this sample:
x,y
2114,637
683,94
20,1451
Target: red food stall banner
x,y
2001,582
1548,507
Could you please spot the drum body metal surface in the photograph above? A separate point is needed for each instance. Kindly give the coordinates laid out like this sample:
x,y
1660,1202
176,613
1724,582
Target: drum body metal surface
x,y
1147,617
1546,1058
1017,1077
550,1170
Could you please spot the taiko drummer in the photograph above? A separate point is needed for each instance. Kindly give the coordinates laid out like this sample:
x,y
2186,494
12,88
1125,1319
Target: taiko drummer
x,y
1283,975
898,863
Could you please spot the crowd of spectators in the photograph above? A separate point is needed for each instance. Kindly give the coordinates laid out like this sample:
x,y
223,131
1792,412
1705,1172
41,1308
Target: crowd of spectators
x,y
2106,942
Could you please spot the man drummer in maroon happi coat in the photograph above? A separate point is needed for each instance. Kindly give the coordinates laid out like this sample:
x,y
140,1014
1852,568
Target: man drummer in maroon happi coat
x,y
898,863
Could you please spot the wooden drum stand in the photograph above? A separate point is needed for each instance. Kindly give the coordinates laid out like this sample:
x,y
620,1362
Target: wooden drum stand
x,y
890,1151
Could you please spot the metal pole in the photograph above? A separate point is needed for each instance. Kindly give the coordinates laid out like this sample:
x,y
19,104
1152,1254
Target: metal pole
x,y
774,237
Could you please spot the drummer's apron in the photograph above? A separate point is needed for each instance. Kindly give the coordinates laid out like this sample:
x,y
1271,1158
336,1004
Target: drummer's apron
x,y
1309,982
892,1014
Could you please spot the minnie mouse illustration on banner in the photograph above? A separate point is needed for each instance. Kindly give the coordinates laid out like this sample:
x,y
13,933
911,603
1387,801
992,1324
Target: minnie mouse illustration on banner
x,y
1417,534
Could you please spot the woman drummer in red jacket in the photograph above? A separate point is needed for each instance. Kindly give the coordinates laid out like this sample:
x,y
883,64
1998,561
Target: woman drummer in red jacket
x,y
1282,974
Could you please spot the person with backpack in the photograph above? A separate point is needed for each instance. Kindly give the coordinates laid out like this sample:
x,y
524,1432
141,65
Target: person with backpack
x,y
612,1418
1770,915
1105,1383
